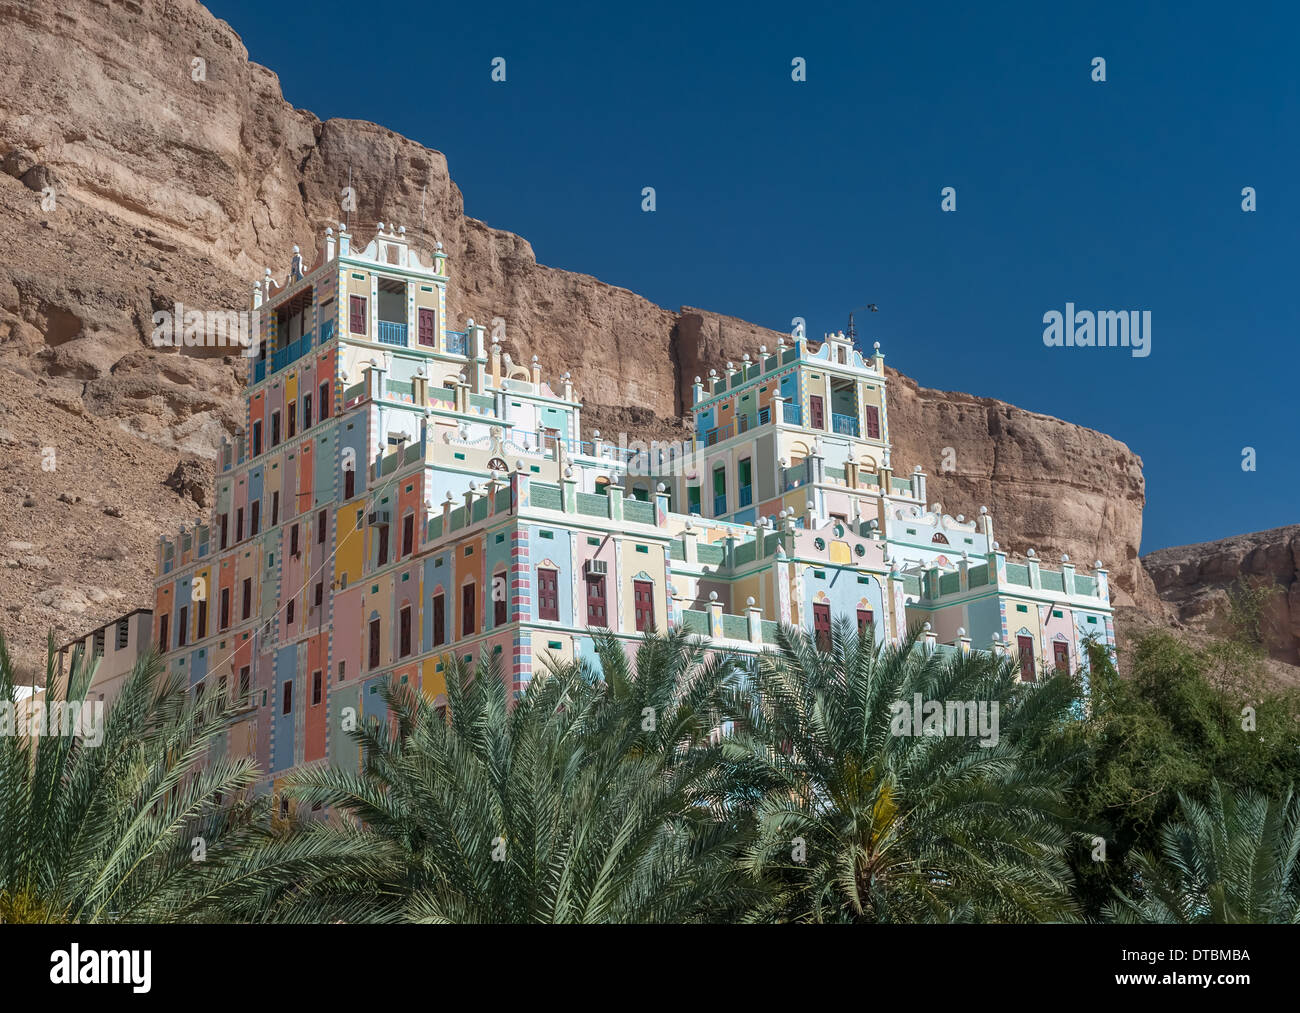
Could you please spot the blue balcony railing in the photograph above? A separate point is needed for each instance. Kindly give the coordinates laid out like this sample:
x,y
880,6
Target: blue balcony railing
x,y
792,413
456,342
845,424
259,371
391,333
719,504
746,495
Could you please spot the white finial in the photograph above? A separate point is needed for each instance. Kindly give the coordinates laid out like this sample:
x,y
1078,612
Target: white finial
x,y
749,602
713,596
1031,554
661,488
961,631
1065,557
381,226
983,510
1097,563
926,627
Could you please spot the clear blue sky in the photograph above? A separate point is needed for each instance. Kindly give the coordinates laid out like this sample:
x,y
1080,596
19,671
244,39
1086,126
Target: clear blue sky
x,y
778,199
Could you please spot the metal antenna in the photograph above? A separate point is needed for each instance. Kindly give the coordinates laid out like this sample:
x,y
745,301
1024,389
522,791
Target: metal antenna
x,y
853,331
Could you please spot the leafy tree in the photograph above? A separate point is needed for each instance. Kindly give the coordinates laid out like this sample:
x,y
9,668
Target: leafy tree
x,y
861,823
1234,858
123,822
590,800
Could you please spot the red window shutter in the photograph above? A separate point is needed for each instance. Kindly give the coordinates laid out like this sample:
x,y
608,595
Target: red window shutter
x,y
822,625
349,484
865,619
374,643
643,600
1027,671
357,314
203,619
408,534
873,422
1062,656
383,544
467,618
815,410
596,601
547,600
225,607
315,687
427,327
405,631
324,400
439,620
322,519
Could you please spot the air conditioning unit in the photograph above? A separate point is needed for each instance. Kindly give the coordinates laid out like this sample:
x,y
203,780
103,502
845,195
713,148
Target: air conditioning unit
x,y
596,568
377,517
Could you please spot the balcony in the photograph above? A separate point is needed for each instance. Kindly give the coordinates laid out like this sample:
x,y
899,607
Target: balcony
x,y
846,425
457,343
746,495
391,333
792,414
719,504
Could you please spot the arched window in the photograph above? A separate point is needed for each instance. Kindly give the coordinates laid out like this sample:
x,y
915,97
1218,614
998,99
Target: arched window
x,y
940,538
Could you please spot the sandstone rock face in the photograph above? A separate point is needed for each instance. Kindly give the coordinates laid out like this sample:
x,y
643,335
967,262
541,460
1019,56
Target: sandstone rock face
x,y
133,177
1195,579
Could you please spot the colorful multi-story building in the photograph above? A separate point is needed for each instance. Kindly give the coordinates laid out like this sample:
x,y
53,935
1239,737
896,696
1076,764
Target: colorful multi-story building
x,y
404,494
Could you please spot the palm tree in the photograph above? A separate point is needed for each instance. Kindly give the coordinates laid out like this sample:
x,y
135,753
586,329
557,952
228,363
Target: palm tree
x,y
861,820
1233,859
120,820
589,800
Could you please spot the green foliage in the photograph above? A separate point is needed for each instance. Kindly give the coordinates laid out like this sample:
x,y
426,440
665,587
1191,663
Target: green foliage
x,y
1167,731
109,826
591,800
677,784
1233,859
860,823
